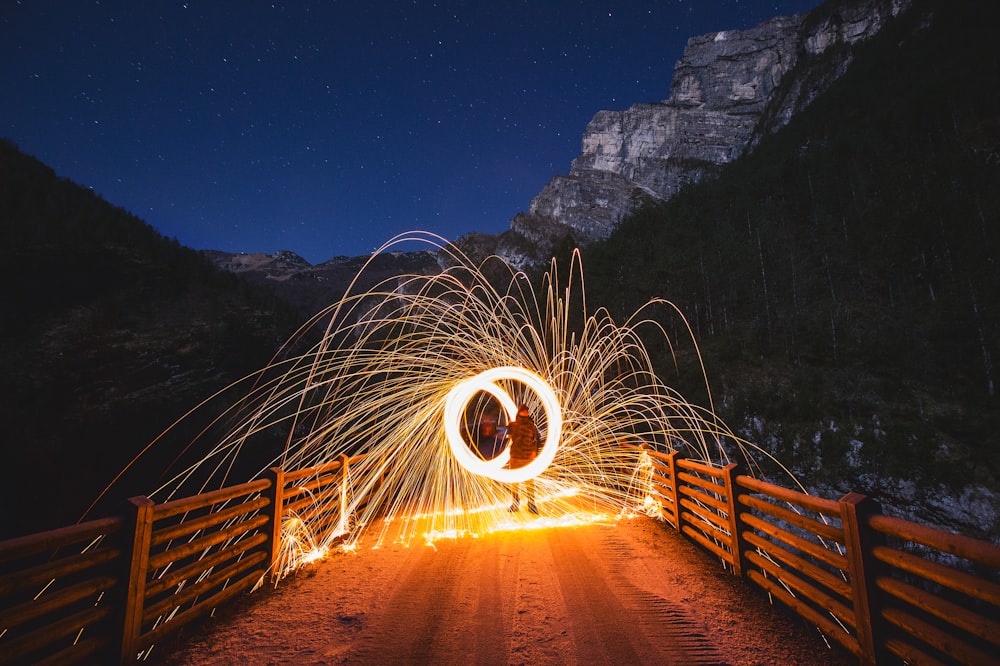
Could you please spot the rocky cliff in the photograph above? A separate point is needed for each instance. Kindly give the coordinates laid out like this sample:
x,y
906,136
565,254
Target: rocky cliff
x,y
729,90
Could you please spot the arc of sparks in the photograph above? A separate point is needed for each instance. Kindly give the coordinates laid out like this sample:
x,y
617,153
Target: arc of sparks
x,y
460,396
385,375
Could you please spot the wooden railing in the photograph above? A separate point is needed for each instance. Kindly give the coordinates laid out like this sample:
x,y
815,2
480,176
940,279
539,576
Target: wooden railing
x,y
106,590
887,590
50,593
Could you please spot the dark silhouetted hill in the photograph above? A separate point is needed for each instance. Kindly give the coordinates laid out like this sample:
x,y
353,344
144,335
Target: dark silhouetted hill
x,y
109,332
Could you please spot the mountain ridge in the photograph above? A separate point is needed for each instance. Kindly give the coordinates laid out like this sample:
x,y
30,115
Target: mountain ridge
x,y
729,90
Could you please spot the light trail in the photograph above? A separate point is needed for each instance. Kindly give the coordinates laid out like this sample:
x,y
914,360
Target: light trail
x,y
458,400
397,377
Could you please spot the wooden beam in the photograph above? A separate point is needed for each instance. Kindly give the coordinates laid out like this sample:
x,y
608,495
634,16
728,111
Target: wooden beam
x,y
140,532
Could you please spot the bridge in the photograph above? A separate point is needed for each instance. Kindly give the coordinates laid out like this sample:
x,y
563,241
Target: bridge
x,y
629,591
606,589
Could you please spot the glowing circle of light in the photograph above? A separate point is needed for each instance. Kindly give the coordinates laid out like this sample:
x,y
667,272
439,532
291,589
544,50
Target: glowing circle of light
x,y
460,396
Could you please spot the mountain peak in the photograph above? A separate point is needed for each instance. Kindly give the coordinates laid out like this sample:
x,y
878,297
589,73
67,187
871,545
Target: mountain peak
x,y
729,89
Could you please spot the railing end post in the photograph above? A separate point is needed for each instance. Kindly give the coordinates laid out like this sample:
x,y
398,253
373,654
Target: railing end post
x,y
344,486
675,493
860,540
736,526
135,571
276,475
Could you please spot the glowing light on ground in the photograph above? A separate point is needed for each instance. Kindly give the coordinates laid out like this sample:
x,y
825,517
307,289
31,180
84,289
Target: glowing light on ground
x,y
398,375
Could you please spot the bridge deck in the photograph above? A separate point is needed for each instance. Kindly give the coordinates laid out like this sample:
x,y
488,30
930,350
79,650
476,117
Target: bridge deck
x,y
629,593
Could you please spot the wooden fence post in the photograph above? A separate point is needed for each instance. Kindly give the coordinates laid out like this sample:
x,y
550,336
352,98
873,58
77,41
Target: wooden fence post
x,y
860,540
675,495
275,494
344,483
137,539
736,526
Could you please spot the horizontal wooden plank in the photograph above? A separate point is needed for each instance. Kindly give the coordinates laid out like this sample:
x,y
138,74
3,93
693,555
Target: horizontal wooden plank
x,y
910,654
189,527
305,472
54,601
835,559
819,528
981,552
179,506
700,468
84,651
41,574
703,484
960,581
708,515
175,576
835,584
810,502
710,530
316,517
662,481
829,628
32,544
249,565
312,484
659,494
704,498
805,589
18,649
204,543
328,494
936,638
660,458
959,616
710,545
181,620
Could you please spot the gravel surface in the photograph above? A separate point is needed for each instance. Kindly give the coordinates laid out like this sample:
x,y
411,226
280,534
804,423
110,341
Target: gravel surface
x,y
631,593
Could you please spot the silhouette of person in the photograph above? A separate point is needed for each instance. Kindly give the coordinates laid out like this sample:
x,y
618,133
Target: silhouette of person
x,y
524,445
488,440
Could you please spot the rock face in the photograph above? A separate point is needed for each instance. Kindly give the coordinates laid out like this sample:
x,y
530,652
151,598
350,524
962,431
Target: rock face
x,y
729,90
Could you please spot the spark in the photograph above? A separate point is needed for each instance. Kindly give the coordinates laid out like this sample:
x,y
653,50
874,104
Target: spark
x,y
395,378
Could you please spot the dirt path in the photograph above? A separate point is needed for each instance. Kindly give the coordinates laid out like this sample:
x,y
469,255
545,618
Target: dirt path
x,y
634,593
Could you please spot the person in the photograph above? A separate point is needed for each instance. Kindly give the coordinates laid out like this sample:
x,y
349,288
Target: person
x,y
524,445
488,439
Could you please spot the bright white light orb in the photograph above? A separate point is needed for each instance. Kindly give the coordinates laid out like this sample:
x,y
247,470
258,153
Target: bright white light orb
x,y
454,410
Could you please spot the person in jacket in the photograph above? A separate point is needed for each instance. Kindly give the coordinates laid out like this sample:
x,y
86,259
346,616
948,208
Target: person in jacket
x,y
524,445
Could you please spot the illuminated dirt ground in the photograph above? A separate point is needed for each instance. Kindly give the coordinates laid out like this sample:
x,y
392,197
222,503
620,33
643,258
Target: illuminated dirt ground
x,y
595,594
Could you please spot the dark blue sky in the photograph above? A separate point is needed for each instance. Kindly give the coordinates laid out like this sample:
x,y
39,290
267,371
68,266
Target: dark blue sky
x,y
326,127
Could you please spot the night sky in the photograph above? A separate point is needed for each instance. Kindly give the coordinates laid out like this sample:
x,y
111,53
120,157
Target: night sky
x,y
326,127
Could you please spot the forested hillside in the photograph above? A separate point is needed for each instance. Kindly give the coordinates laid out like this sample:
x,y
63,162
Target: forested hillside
x,y
843,280
109,332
